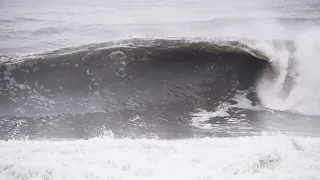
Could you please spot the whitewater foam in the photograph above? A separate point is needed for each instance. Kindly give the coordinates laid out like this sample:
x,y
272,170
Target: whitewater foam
x,y
200,119
263,157
295,88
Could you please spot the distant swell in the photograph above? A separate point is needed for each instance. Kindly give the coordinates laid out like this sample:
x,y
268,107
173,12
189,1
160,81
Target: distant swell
x,y
120,82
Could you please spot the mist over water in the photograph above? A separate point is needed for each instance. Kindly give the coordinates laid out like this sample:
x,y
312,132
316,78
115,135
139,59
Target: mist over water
x,y
149,89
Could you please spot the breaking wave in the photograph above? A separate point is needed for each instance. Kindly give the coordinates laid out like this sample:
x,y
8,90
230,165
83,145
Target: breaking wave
x,y
151,79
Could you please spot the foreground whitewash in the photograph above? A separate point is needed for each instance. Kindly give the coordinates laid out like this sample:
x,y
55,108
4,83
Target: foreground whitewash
x,y
263,157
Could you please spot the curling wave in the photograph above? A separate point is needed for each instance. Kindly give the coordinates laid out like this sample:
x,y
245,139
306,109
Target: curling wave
x,y
136,79
99,68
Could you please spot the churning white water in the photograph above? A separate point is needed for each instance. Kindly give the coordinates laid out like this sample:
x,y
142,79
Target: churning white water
x,y
300,67
266,157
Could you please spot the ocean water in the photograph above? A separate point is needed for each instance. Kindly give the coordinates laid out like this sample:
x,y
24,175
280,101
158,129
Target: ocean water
x,y
147,89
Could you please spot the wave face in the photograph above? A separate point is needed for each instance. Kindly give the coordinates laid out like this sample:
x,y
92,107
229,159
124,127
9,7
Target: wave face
x,y
175,88
140,81
141,87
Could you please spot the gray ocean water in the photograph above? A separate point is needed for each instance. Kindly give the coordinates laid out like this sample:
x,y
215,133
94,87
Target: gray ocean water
x,y
146,89
37,26
63,95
